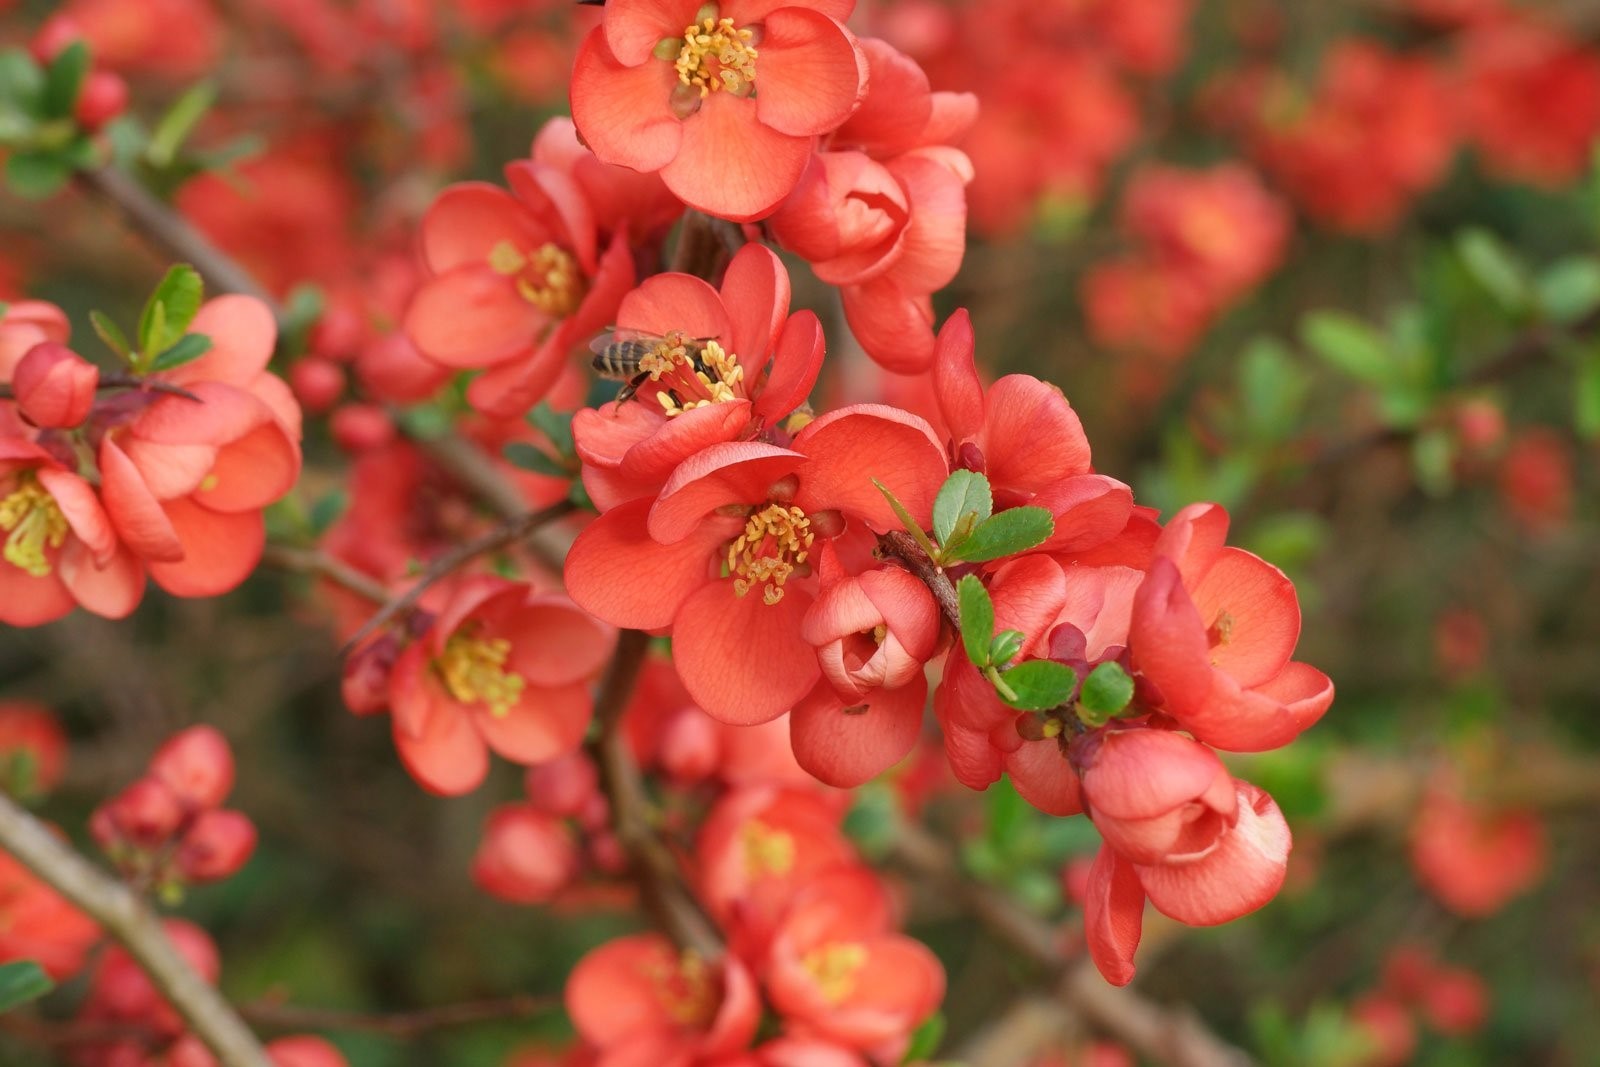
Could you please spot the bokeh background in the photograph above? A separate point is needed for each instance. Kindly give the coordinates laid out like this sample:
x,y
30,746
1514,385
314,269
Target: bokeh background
x,y
1332,265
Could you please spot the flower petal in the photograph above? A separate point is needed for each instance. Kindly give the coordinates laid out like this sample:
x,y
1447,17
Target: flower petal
x,y
471,317
848,746
734,473
243,333
742,659
469,220
545,724
617,572
849,447
219,550
1113,915
794,369
1241,874
731,165
755,290
623,113
812,73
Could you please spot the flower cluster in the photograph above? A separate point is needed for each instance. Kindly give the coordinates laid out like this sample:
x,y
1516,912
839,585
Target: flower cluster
x,y
169,828
811,936
163,471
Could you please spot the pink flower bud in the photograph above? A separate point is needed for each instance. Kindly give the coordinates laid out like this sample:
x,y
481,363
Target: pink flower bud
x,y
104,97
361,427
1388,1027
1455,1002
526,856
874,631
121,992
189,1051
304,1052
145,814
317,383
197,765
607,853
564,785
54,386
58,33
364,683
689,748
216,846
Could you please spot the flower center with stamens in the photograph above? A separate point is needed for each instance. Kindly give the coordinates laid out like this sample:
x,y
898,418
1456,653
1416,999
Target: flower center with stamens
x,y
692,375
833,967
474,671
686,992
713,56
34,523
767,851
775,542
549,279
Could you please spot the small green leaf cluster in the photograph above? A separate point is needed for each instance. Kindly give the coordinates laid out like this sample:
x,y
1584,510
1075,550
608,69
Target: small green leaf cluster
x,y
163,341
36,120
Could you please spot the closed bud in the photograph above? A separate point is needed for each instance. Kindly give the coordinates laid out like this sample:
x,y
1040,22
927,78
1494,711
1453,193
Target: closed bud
x,y
875,631
145,814
54,386
216,846
104,97
563,785
304,1051
525,857
190,1051
361,427
317,383
197,765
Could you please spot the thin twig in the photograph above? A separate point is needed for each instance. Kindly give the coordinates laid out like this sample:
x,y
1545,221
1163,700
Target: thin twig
x,y
1167,1036
659,875
130,921
506,533
166,228
903,546
122,381
321,565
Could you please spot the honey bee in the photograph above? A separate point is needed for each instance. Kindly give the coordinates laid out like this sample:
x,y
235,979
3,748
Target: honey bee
x,y
620,353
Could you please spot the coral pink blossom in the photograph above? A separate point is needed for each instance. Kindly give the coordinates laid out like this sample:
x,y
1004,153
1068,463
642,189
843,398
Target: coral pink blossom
x,y
758,511
638,1000
1212,631
837,968
516,278
500,668
304,1052
38,925
185,479
58,548
1152,794
1475,859
727,108
725,364
1236,871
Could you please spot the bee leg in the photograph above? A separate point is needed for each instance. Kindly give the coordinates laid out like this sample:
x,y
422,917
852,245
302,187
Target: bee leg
x,y
628,391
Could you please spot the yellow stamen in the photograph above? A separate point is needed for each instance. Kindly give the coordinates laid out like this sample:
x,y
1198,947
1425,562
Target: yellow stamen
x,y
686,992
717,56
710,371
473,669
767,851
549,279
775,542
834,967
35,524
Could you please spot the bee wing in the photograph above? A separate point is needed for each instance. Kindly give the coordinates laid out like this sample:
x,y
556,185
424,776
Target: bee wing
x,y
617,334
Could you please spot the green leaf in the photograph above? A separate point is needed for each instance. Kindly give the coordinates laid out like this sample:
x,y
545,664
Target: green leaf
x,y
965,493
556,425
1586,397
1106,692
21,82
917,533
528,457
1570,289
1005,646
109,332
1496,268
1272,391
977,619
326,511
64,81
178,123
1038,685
1348,344
925,1039
21,982
1012,531
170,310
37,175
189,348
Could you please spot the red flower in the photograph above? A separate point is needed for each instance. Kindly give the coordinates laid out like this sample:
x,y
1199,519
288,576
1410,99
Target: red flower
x,y
185,480
37,924
1473,858
723,100
757,511
1212,632
516,278
753,364
501,668
638,1001
526,856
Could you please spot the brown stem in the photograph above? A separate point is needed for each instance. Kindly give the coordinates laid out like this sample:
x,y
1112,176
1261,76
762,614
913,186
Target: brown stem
x,y
173,234
655,867
903,546
1166,1036
130,921
122,381
321,565
506,533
